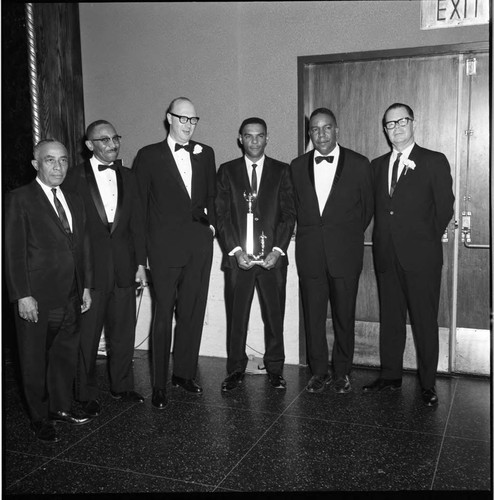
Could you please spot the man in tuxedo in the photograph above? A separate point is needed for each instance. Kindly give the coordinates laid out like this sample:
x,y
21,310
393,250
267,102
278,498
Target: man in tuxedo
x,y
49,274
115,227
177,181
334,200
273,217
414,203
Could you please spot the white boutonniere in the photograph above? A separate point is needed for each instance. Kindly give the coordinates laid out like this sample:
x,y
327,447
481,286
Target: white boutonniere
x,y
409,165
197,149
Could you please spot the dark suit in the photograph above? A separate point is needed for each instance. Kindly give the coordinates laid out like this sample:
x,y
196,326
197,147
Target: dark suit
x,y
329,253
408,257
179,244
117,250
44,262
274,214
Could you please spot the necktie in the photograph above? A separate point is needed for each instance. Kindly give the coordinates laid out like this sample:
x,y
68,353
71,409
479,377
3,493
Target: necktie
x,y
61,212
184,146
254,178
394,175
329,159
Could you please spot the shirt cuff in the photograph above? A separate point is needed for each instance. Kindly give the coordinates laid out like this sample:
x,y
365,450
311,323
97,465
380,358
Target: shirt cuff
x,y
279,250
232,253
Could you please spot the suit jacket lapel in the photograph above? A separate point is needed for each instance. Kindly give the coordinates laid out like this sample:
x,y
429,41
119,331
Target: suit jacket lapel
x,y
120,196
172,167
94,192
339,170
49,209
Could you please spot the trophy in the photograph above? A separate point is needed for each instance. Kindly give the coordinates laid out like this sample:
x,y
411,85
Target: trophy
x,y
250,198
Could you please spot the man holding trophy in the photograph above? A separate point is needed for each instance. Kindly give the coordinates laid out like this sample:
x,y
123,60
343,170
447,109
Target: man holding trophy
x,y
255,211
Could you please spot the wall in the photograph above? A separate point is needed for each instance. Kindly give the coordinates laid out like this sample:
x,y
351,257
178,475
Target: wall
x,y
233,60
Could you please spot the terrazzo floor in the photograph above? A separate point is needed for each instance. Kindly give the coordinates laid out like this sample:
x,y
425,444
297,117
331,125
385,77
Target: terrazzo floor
x,y
259,439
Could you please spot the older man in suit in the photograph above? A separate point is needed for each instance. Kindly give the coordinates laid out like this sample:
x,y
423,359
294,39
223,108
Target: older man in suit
x,y
49,275
115,227
263,266
334,200
414,203
177,181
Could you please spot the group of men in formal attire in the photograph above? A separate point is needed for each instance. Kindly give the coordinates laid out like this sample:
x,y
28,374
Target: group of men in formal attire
x,y
79,240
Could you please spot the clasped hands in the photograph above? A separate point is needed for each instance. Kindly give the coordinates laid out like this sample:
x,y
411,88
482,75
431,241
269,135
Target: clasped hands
x,y
245,262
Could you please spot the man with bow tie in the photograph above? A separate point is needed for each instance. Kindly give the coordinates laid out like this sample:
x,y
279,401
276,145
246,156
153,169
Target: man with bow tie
x,y
414,203
116,230
177,183
334,201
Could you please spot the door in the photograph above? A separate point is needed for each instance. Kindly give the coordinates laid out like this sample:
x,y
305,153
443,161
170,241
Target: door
x,y
447,104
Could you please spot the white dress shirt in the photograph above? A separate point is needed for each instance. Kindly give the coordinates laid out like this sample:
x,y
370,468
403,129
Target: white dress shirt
x,y
324,173
182,159
107,187
401,165
48,191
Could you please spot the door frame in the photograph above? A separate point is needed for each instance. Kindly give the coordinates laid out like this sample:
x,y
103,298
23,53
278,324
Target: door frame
x,y
303,64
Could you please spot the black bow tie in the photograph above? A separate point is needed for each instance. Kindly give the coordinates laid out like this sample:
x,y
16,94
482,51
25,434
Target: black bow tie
x,y
184,146
113,166
329,159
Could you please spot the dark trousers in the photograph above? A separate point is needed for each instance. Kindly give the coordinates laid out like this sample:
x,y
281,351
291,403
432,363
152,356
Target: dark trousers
x,y
183,291
418,291
341,293
48,358
239,292
116,311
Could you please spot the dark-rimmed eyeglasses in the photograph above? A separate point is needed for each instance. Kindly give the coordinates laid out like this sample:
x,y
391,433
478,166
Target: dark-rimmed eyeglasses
x,y
184,119
106,140
401,122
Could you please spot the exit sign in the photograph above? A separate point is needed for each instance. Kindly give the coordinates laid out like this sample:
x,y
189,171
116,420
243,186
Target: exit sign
x,y
451,13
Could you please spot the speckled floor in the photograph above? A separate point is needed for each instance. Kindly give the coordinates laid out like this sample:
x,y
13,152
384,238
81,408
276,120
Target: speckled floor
x,y
259,439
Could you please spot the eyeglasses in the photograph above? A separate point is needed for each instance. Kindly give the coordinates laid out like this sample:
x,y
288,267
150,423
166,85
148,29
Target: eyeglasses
x,y
184,119
402,122
106,140
52,161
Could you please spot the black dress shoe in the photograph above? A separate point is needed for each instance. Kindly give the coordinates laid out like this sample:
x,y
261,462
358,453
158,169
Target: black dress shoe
x,y
158,399
45,431
277,381
234,380
92,408
342,385
189,384
317,383
127,396
383,383
68,417
429,396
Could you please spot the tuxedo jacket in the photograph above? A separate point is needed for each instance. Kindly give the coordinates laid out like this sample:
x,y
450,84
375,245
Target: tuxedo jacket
x,y
273,209
116,252
42,260
176,224
415,217
336,236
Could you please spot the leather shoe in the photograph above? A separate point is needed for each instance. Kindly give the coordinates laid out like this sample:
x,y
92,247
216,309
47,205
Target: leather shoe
x,y
317,383
158,399
277,381
233,380
383,383
92,408
45,431
127,396
429,396
68,417
189,384
342,385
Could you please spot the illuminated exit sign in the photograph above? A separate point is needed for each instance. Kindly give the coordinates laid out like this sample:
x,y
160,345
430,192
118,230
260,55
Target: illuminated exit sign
x,y
451,13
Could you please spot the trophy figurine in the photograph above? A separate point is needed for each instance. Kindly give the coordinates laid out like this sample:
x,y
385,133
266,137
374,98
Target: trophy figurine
x,y
250,198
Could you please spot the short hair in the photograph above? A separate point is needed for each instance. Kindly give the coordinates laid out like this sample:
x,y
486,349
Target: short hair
x,y
93,125
395,106
323,111
40,144
252,120
170,107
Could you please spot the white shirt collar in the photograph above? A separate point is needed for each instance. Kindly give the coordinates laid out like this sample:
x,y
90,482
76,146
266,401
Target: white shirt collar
x,y
404,154
335,152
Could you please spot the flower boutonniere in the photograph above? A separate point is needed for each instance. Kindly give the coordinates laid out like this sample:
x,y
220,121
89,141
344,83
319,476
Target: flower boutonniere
x,y
197,149
409,165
